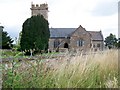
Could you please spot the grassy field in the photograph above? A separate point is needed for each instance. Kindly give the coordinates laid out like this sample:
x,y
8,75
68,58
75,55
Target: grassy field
x,y
98,70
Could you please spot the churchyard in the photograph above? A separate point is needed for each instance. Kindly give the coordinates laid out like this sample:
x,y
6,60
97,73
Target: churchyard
x,y
60,70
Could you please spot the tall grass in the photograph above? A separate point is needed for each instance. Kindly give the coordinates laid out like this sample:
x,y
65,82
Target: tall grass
x,y
98,70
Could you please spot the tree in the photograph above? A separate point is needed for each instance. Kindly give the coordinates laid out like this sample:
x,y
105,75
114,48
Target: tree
x,y
35,34
118,42
111,41
6,41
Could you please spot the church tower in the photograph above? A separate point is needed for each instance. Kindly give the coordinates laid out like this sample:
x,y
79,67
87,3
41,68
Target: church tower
x,y
41,9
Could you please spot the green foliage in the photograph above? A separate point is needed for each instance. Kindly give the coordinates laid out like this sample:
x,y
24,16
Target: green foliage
x,y
35,34
11,53
118,43
16,47
93,73
111,41
6,41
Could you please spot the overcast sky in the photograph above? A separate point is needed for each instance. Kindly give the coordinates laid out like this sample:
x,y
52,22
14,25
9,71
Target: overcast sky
x,y
93,15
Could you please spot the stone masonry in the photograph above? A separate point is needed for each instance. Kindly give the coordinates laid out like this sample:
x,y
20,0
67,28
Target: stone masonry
x,y
41,9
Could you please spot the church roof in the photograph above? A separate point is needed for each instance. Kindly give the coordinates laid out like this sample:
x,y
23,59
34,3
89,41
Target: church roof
x,y
66,32
96,35
61,32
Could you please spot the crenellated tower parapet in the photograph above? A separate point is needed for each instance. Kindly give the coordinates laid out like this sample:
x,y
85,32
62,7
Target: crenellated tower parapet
x,y
41,9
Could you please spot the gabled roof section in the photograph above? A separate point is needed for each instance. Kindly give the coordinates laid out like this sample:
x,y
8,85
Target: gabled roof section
x,y
96,35
67,32
81,28
61,32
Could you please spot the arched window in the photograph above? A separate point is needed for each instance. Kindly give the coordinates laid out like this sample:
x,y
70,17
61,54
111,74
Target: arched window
x,y
80,43
66,45
56,43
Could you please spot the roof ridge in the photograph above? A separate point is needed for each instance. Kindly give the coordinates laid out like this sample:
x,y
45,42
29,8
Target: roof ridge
x,y
93,31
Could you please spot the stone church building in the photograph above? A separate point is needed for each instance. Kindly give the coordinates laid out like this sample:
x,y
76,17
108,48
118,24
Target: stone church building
x,y
62,39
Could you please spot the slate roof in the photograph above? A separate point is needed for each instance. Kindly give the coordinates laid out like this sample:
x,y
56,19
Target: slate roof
x,y
63,32
96,35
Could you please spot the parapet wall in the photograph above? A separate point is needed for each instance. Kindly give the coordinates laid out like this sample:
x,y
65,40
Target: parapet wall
x,y
41,9
41,6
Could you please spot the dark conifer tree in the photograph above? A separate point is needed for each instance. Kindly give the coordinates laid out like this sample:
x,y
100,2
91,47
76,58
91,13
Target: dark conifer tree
x,y
6,41
35,34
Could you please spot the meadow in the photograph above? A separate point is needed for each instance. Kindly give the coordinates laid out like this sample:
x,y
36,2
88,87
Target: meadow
x,y
92,70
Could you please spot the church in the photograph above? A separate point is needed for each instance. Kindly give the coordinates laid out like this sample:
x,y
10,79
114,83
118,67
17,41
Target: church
x,y
75,39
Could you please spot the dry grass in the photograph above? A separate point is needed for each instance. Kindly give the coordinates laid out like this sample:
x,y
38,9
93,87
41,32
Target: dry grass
x,y
93,70
98,70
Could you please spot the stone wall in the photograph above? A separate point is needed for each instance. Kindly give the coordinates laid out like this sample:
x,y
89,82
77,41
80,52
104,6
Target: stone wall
x,y
61,45
80,34
41,9
96,47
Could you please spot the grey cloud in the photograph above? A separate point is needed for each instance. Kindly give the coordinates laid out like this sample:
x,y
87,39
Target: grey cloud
x,y
105,9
